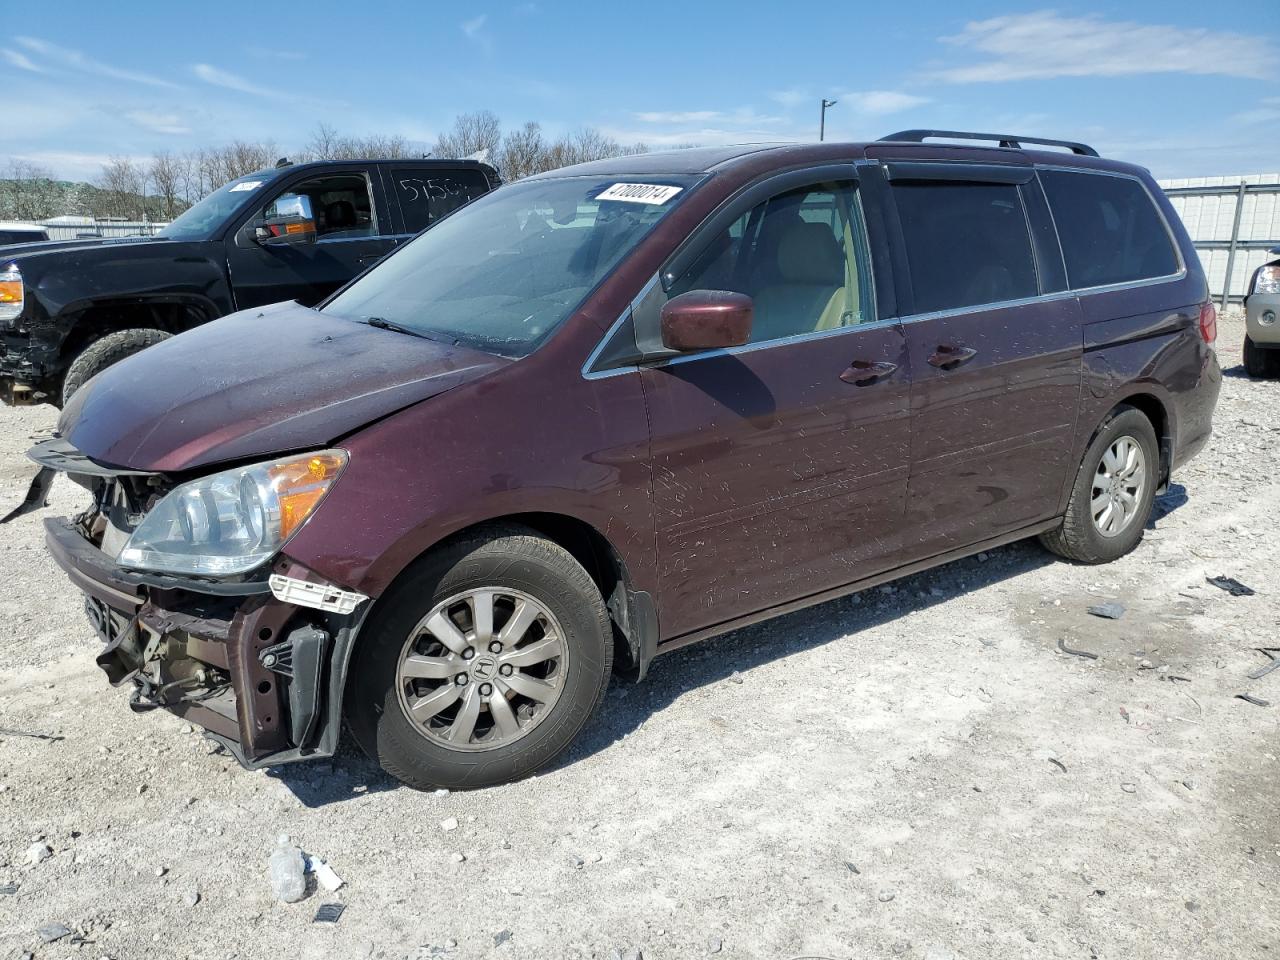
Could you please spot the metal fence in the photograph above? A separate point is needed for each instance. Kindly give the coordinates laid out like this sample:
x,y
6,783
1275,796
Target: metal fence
x,y
72,228
1233,222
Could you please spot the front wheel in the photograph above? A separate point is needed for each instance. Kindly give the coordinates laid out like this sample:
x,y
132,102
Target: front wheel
x,y
102,353
1112,496
482,664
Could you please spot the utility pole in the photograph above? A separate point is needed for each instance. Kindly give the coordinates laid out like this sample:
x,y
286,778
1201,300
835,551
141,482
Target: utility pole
x,y
822,126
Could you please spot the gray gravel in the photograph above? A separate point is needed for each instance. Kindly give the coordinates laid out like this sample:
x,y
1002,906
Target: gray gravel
x,y
909,732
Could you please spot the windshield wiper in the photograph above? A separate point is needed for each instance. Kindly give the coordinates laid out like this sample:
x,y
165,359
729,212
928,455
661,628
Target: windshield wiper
x,y
382,324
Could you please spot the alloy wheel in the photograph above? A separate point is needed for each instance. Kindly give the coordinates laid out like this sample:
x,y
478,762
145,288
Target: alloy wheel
x,y
482,669
1118,486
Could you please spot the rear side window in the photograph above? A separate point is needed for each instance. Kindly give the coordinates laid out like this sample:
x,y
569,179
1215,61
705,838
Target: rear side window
x,y
427,195
1109,227
967,244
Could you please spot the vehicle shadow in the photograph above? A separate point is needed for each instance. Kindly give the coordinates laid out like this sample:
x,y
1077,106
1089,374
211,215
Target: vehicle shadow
x,y
628,705
1166,503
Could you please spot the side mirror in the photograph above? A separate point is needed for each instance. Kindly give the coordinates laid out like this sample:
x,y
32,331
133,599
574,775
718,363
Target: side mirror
x,y
706,320
289,223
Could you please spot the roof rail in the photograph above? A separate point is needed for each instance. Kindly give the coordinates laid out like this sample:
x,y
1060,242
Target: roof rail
x,y
1004,140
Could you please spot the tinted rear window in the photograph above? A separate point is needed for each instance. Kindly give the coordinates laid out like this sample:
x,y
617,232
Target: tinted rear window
x,y
1110,229
426,195
967,244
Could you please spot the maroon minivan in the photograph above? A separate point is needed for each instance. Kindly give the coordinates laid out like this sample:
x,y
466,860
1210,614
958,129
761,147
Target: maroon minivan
x,y
608,411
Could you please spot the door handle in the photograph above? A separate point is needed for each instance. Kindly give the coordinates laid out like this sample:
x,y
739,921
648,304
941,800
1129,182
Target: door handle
x,y
863,372
948,356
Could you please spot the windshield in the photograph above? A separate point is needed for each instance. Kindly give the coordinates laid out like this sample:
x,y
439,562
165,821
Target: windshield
x,y
201,220
503,272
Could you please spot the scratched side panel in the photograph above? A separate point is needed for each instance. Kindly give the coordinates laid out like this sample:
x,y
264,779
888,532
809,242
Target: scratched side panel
x,y
773,478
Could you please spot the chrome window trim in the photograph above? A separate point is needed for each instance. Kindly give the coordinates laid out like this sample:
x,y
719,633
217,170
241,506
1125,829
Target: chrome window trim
x,y
588,374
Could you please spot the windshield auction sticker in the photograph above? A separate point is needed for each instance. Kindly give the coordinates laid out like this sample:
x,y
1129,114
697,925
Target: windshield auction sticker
x,y
655,193
247,185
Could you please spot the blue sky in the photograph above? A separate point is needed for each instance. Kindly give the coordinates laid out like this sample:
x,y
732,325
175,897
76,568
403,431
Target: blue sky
x,y
1187,89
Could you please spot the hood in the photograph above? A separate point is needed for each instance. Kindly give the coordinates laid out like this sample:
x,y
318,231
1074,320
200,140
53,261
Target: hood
x,y
254,384
14,251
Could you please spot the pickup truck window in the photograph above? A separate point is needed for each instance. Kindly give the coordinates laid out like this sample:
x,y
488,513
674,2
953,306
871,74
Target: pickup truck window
x,y
201,220
340,203
427,195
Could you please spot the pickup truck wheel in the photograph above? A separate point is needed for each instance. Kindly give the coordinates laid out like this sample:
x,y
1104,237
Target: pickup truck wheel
x,y
102,353
481,665
1260,363
1112,496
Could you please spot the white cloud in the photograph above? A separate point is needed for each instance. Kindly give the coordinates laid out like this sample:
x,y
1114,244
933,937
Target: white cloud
x,y
676,116
475,32
791,98
20,61
232,81
168,123
74,59
270,53
1267,111
1027,46
880,102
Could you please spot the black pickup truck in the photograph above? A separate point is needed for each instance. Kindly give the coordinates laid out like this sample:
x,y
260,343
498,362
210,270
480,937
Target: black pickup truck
x,y
294,232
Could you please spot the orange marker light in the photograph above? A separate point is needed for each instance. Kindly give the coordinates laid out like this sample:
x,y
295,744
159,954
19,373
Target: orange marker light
x,y
300,485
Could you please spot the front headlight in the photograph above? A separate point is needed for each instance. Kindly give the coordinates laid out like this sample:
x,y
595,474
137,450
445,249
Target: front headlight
x,y
1267,280
230,522
11,292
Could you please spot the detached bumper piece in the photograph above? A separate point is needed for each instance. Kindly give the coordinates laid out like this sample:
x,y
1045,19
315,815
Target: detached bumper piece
x,y
254,671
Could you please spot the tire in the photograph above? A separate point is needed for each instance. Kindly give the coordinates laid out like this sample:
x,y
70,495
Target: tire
x,y
379,698
1260,363
1080,537
100,354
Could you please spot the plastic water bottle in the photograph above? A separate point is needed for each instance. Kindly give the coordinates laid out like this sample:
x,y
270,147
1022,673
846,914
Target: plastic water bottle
x,y
288,872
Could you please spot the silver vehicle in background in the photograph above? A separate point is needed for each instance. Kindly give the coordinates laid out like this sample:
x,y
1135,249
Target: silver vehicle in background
x,y
1262,320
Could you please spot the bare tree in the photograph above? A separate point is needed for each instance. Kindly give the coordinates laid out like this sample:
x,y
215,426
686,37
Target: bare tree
x,y
166,176
476,134
122,183
523,152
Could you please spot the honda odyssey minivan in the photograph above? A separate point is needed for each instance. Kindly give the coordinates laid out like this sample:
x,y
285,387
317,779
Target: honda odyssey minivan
x,y
611,410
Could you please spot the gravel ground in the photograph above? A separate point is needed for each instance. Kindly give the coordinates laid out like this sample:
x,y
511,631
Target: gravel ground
x,y
916,772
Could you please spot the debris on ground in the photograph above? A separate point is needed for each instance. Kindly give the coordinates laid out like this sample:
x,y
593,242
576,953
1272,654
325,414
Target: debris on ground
x,y
192,897
1272,663
1250,698
325,875
1129,787
1111,610
38,853
450,824
1232,586
884,896
1062,645
1058,763
288,872
9,732
329,912
8,889
51,932
714,944
501,937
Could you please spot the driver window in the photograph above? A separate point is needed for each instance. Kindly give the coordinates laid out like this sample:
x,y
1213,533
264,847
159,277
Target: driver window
x,y
340,204
799,255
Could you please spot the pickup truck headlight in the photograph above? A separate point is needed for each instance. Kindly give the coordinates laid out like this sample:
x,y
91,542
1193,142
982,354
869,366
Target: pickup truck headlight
x,y
230,522
1267,280
11,292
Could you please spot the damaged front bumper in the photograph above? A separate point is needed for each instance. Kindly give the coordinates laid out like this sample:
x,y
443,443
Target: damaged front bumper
x,y
258,662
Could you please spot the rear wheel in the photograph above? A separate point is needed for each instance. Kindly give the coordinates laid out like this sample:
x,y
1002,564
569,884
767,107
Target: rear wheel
x,y
482,665
1112,496
100,354
1259,362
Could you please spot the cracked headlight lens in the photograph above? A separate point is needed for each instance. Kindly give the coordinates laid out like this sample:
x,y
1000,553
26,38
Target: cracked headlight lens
x,y
228,523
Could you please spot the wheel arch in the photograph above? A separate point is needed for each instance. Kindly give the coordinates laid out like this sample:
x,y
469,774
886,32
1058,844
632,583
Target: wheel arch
x,y
1160,412
90,321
